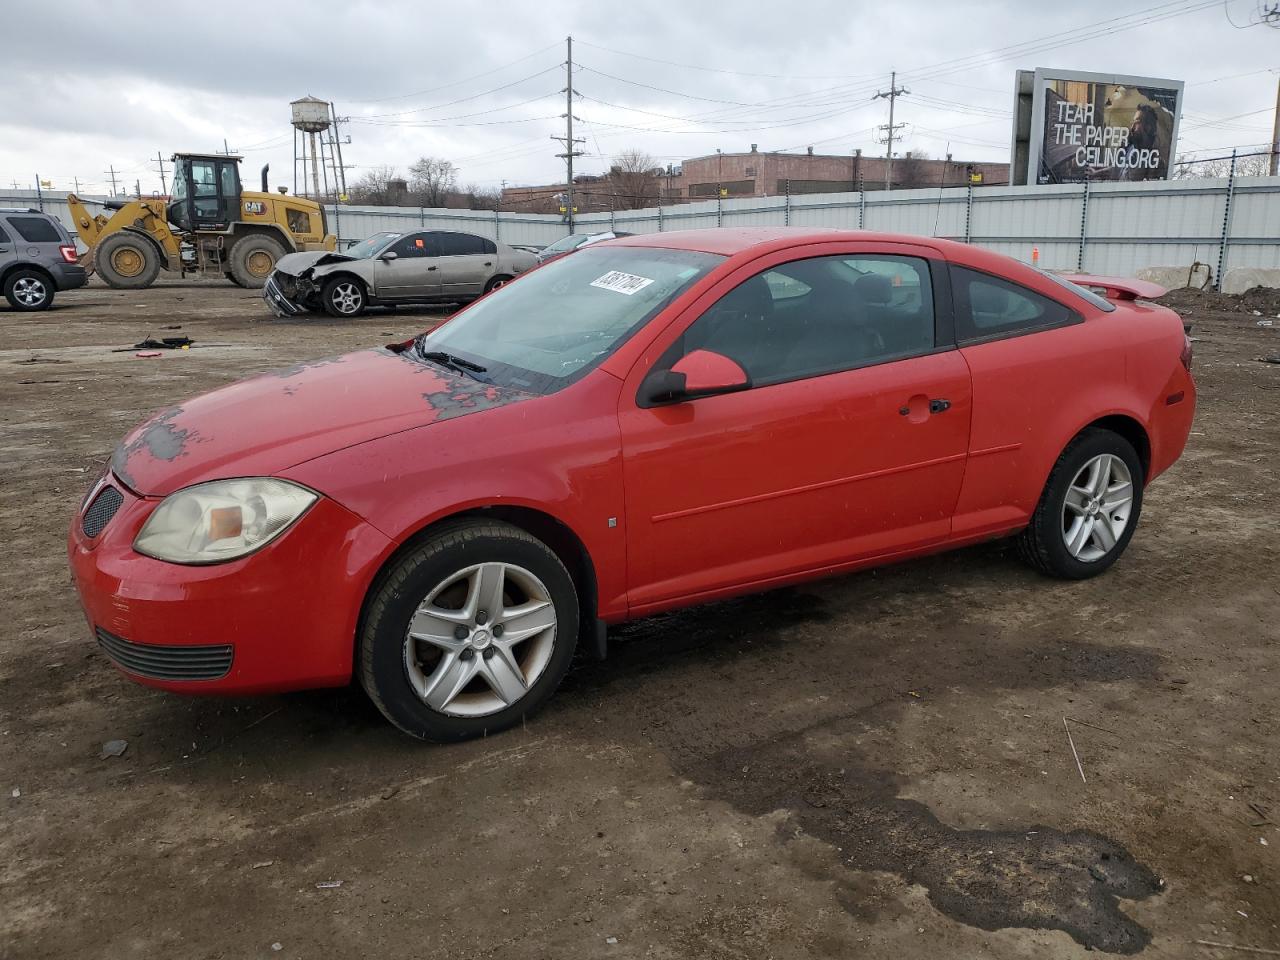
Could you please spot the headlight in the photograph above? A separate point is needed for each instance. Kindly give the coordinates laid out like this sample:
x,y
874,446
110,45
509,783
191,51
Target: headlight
x,y
222,520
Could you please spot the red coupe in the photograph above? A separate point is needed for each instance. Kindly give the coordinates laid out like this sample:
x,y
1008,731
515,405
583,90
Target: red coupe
x,y
653,422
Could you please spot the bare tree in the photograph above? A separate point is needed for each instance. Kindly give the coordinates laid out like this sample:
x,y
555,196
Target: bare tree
x,y
431,180
374,187
1254,165
633,180
482,198
912,169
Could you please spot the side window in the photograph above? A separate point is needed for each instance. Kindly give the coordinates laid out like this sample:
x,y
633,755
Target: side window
x,y
488,246
417,245
35,229
989,307
819,316
299,221
227,175
459,244
4,237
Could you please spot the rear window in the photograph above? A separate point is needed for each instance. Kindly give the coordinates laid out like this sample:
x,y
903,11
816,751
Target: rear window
x,y
35,229
1102,303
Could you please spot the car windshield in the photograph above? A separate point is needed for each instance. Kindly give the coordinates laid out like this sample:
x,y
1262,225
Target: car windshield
x,y
565,243
367,248
558,322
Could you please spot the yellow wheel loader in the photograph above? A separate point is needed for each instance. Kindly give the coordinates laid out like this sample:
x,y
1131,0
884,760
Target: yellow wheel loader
x,y
208,228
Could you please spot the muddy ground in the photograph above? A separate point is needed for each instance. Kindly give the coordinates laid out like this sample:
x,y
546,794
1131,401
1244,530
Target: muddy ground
x,y
873,766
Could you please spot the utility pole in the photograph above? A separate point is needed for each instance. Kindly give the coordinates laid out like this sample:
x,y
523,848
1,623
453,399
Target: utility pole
x,y
164,186
339,175
1275,134
567,139
76,181
137,188
893,93
111,172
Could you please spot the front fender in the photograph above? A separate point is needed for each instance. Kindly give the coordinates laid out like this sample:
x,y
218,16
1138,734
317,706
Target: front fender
x,y
543,454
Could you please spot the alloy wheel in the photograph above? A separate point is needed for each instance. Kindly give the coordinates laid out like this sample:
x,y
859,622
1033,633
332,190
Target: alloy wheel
x,y
30,291
347,298
480,640
1097,507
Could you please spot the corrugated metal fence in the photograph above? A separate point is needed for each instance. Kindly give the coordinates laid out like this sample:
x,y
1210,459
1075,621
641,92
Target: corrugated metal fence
x,y
1107,228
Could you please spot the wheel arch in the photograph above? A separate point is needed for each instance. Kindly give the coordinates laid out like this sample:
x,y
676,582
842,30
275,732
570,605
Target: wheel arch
x,y
241,231
12,268
1131,429
554,532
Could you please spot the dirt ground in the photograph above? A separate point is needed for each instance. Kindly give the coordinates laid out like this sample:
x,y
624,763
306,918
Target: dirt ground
x,y
872,766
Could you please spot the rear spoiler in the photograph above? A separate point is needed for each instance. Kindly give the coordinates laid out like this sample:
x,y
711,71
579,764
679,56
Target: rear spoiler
x,y
1118,288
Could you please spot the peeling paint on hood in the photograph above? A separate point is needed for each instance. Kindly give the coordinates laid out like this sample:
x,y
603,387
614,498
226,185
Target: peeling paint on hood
x,y
276,420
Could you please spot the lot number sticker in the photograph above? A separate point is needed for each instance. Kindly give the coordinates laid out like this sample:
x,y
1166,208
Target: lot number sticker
x,y
619,282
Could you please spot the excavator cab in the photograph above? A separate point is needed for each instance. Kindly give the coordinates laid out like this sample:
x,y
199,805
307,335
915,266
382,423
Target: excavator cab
x,y
206,192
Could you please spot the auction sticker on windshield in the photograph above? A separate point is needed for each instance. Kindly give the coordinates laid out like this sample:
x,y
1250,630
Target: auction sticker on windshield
x,y
619,282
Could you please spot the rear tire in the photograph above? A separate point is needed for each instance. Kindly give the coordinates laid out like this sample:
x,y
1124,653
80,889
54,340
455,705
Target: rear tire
x,y
127,261
29,290
252,259
496,282
344,297
492,661
1089,509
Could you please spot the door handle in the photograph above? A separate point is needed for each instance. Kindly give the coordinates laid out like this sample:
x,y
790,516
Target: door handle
x,y
430,268
939,405
488,263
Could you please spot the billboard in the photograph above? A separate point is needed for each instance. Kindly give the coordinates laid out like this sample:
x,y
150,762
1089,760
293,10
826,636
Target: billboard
x,y
1094,127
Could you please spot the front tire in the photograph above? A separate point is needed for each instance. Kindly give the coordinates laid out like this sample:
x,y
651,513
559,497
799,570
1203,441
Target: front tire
x,y
29,290
252,259
344,297
469,632
127,261
1089,509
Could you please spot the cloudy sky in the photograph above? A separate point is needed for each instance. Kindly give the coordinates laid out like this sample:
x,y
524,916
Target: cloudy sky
x,y
93,85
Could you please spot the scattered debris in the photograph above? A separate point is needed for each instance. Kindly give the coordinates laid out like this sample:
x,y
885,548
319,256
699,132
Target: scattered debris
x,y
390,792
1274,359
1261,812
113,748
262,863
41,360
1233,946
277,946
16,793
1247,878
167,343
611,940
1079,765
1263,841
328,884
147,354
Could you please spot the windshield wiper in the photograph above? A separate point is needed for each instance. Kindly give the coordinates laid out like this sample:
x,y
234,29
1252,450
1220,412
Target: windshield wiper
x,y
457,364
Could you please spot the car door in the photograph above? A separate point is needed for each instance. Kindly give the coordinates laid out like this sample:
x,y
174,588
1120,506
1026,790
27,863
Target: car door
x,y
850,443
413,273
466,263
8,253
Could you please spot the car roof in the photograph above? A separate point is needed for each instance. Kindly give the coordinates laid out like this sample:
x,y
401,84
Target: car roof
x,y
728,241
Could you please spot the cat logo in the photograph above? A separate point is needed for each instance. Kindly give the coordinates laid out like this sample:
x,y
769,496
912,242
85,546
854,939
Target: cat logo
x,y
255,207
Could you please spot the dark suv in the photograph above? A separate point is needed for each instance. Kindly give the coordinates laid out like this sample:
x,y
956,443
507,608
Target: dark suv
x,y
37,258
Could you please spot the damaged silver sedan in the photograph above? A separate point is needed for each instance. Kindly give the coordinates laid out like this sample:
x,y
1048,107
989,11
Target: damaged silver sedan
x,y
432,266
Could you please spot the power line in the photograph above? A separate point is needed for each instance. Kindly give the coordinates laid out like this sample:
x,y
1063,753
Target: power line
x,y
456,83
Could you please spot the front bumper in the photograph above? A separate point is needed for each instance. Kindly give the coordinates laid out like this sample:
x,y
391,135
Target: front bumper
x,y
283,618
280,294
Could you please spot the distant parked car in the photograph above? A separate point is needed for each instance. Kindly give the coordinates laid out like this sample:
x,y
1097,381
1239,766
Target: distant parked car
x,y
434,266
37,259
644,425
576,241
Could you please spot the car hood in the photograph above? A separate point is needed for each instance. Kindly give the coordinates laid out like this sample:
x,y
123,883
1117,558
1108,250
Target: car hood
x,y
295,263
273,421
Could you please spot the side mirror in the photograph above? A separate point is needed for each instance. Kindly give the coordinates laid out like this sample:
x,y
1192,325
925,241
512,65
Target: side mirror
x,y
389,256
701,373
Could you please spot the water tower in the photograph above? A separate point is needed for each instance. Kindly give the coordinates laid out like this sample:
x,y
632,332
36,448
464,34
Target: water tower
x,y
311,115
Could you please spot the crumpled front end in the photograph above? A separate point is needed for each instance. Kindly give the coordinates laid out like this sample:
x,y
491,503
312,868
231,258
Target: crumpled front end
x,y
287,295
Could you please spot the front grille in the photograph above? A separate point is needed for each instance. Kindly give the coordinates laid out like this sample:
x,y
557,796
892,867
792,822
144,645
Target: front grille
x,y
167,662
100,512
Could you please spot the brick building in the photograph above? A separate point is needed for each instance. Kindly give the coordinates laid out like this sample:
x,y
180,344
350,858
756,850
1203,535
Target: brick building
x,y
762,174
